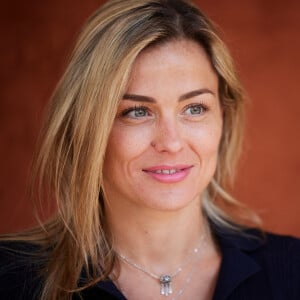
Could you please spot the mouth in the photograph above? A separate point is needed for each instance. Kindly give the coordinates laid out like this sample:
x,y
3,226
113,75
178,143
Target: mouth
x,y
166,171
169,174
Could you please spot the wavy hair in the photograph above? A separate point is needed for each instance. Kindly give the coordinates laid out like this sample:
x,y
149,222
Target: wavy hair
x,y
68,166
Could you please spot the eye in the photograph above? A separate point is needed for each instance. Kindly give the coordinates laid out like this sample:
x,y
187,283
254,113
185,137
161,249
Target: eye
x,y
136,112
195,109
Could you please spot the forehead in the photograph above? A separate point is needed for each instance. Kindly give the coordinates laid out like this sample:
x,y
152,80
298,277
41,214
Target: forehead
x,y
180,64
169,52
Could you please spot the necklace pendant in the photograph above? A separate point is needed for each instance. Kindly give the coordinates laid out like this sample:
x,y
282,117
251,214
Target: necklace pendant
x,y
165,285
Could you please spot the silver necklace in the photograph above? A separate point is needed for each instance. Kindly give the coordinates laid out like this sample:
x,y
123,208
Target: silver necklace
x,y
165,280
186,283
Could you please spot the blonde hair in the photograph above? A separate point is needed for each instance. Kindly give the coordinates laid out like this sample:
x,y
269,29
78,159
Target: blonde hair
x,y
68,167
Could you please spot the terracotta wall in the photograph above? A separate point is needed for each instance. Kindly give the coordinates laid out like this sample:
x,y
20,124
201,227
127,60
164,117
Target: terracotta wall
x,y
263,35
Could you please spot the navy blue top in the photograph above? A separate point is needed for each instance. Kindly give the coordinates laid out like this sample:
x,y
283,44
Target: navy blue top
x,y
251,269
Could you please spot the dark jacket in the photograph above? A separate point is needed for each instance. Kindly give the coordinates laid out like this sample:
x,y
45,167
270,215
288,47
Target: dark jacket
x,y
251,269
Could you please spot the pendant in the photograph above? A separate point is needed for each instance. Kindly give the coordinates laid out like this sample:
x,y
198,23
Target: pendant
x,y
165,285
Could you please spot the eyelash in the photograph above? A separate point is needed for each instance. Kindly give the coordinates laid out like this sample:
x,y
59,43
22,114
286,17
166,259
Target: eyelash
x,y
126,111
203,107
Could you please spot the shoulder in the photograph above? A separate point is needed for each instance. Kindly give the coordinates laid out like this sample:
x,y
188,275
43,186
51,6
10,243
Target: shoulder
x,y
280,254
253,240
20,269
265,245
279,247
258,265
279,259
275,261
282,241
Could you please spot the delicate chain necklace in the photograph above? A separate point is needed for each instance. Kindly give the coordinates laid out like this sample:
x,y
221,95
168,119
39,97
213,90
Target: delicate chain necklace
x,y
165,280
186,283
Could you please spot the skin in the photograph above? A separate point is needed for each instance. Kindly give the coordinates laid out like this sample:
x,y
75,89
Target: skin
x,y
170,116
165,131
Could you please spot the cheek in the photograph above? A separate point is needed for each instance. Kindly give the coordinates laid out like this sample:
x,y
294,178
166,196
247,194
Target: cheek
x,y
206,139
125,144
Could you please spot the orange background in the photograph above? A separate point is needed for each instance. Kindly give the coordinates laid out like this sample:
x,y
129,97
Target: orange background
x,y
263,36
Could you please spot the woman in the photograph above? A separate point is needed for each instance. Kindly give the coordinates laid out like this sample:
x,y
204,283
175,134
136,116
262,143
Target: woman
x,y
139,145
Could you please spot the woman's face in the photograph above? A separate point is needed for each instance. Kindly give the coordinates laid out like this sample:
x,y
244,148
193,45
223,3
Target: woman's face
x,y
163,147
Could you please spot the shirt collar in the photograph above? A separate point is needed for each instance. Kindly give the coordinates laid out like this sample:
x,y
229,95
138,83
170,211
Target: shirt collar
x,y
110,288
237,264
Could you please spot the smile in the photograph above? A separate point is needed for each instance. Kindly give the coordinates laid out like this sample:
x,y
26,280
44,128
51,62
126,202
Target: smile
x,y
168,174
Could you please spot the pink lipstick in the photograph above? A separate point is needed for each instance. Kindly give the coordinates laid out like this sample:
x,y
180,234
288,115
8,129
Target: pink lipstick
x,y
168,174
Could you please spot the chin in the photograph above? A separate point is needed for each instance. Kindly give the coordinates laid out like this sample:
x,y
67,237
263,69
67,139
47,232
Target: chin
x,y
171,203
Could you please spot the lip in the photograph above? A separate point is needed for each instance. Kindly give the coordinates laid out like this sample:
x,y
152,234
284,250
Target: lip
x,y
168,173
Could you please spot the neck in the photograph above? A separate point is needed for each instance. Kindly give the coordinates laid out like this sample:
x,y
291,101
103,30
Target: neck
x,y
158,239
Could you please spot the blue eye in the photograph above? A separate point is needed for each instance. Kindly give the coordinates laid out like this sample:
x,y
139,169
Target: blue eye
x,y
195,109
136,112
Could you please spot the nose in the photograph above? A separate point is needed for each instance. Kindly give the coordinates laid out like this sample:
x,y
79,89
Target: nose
x,y
167,137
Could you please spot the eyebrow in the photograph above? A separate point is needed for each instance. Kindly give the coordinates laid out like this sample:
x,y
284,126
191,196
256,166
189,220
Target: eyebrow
x,y
186,96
